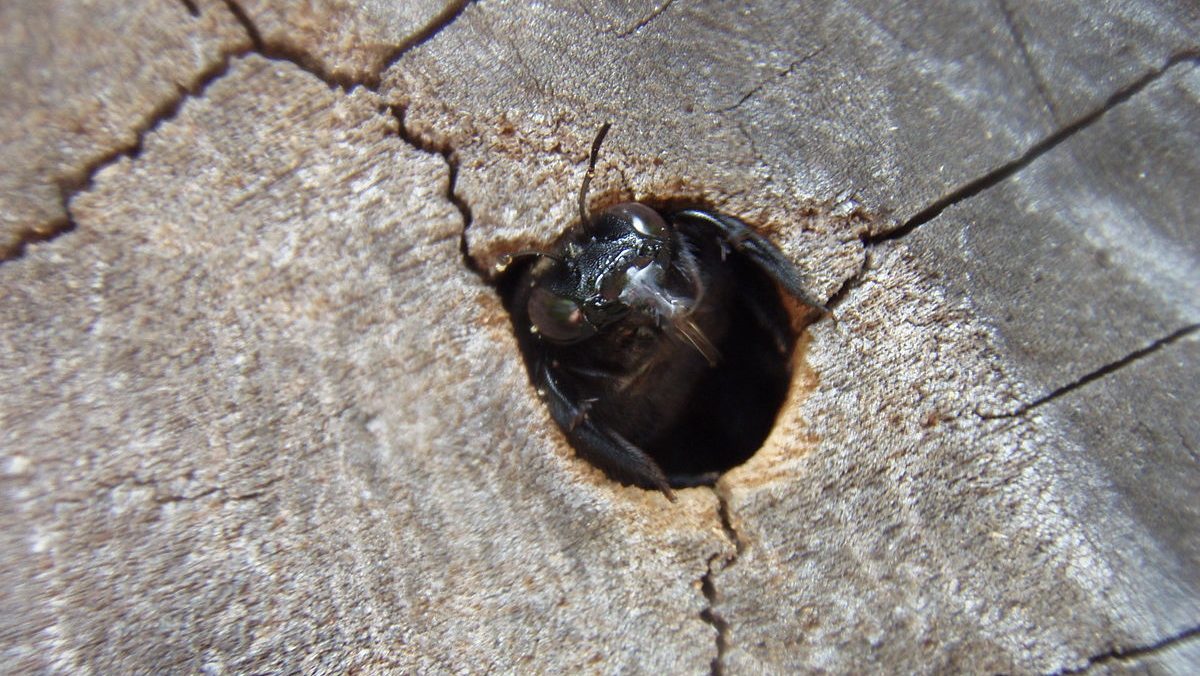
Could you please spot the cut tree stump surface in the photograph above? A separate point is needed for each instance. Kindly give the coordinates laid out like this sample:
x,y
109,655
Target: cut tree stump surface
x,y
83,82
264,411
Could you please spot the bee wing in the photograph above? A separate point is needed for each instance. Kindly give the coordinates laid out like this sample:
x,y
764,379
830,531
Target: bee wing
x,y
758,249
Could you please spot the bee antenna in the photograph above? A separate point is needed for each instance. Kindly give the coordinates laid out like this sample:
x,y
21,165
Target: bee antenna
x,y
587,178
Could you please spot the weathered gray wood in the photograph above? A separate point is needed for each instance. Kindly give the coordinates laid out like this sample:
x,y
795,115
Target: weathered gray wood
x,y
1176,659
245,441
767,109
1090,252
1079,52
80,81
261,415
1086,259
887,513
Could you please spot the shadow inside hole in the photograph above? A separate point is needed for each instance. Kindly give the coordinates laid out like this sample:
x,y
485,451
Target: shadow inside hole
x,y
728,411
733,407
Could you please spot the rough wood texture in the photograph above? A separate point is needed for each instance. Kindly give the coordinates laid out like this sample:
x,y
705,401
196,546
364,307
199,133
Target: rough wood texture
x,y
348,42
262,414
82,80
284,427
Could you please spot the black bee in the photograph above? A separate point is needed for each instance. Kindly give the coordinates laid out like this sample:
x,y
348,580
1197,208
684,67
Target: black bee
x,y
643,331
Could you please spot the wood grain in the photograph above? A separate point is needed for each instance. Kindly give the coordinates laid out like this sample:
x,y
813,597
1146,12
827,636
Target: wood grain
x,y
264,412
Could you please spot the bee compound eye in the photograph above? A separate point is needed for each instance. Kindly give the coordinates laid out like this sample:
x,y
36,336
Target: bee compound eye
x,y
557,318
645,221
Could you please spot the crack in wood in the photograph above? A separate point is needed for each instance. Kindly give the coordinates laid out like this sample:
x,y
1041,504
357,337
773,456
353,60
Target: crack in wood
x,y
1097,374
244,21
161,496
1019,38
282,51
654,14
852,282
713,618
450,156
781,75
1133,653
999,175
437,24
82,180
717,564
192,7
48,231
1007,170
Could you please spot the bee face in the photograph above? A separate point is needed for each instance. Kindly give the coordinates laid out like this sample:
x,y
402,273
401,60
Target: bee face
x,y
587,283
657,339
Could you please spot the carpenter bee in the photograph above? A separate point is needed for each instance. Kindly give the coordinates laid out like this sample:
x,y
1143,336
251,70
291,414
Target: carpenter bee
x,y
657,338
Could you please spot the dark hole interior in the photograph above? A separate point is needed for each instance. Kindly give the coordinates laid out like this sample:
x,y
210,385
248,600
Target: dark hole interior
x,y
732,407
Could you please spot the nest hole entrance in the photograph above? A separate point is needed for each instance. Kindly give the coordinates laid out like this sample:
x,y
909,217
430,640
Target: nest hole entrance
x,y
732,407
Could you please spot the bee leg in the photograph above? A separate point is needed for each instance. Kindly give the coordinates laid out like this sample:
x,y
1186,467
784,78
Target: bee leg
x,y
758,249
604,448
614,453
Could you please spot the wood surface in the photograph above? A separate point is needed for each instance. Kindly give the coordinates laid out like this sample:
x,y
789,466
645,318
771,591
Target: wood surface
x,y
264,412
